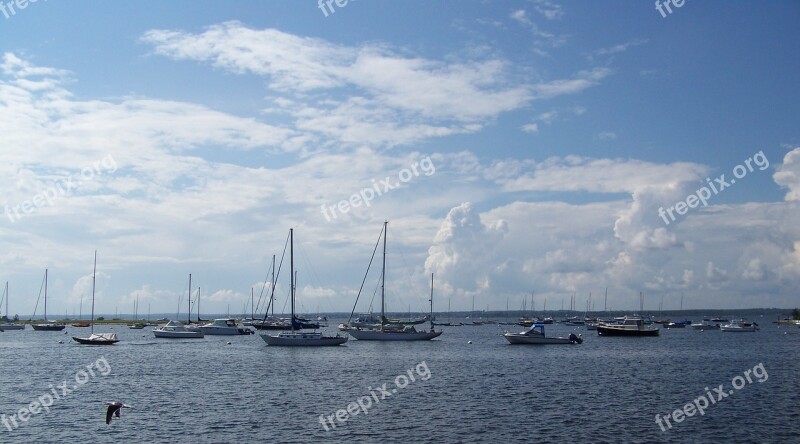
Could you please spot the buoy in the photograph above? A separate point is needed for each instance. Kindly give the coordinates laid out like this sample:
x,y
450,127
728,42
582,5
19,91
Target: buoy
x,y
469,342
229,342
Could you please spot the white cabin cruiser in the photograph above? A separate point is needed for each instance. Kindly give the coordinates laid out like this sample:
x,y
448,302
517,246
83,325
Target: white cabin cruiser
x,y
225,327
535,335
176,330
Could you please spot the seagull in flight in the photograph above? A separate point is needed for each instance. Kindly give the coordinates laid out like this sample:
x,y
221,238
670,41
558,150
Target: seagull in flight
x,y
114,408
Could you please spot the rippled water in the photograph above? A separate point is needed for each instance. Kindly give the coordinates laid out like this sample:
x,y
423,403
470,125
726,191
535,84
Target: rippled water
x,y
605,390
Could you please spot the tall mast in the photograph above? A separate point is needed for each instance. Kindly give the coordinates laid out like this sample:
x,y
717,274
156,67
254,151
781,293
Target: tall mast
x,y
383,272
198,305
45,294
252,305
94,278
431,301
189,308
9,319
291,269
272,294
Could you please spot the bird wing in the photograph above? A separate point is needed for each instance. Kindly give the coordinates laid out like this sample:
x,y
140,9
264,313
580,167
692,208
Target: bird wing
x,y
110,412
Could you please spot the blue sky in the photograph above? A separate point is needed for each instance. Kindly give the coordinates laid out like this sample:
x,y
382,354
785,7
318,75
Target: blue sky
x,y
553,133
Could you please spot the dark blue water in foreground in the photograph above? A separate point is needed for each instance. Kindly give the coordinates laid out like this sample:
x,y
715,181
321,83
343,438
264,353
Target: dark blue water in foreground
x,y
605,390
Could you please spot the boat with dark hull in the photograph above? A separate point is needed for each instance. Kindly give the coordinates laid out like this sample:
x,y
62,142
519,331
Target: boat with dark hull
x,y
630,326
47,325
96,338
391,331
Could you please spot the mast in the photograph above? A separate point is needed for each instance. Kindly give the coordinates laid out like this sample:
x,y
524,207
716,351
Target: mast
x,y
605,301
45,294
198,305
272,294
94,278
189,308
383,272
252,305
291,270
431,301
9,319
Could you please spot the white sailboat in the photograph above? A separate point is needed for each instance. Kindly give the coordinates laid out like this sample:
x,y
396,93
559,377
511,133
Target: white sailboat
x,y
8,324
294,338
96,338
391,331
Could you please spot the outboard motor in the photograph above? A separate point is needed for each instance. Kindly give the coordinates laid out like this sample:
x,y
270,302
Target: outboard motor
x,y
575,339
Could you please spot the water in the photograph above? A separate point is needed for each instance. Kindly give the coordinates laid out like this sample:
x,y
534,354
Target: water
x,y
605,390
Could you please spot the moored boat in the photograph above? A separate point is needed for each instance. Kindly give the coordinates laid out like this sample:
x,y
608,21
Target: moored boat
x,y
536,335
224,327
736,326
630,326
47,325
96,338
294,338
176,330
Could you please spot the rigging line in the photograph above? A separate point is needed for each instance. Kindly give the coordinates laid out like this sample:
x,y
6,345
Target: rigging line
x,y
263,287
272,287
37,299
415,291
365,278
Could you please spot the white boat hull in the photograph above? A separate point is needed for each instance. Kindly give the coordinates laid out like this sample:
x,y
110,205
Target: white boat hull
x,y
7,327
223,331
377,335
739,329
298,339
178,334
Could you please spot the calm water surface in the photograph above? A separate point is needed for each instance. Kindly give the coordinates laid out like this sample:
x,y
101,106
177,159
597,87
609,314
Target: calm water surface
x,y
605,390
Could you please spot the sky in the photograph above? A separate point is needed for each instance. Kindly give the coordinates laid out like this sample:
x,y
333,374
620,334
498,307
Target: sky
x,y
519,149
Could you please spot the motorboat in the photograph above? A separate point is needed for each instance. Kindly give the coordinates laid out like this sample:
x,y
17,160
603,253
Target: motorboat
x,y
224,327
176,330
736,326
705,325
535,335
630,326
81,324
137,326
674,325
591,325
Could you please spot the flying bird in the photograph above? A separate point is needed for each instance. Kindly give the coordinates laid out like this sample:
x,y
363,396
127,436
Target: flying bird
x,y
114,408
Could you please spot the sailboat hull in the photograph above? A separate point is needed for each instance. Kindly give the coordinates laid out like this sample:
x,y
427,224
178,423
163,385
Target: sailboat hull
x,y
46,327
377,335
87,341
303,340
12,326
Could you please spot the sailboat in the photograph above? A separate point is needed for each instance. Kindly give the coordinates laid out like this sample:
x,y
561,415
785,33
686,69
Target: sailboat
x,y
47,325
80,322
294,338
96,338
7,323
136,324
388,331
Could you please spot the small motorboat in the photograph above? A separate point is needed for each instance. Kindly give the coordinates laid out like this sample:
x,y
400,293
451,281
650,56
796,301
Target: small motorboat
x,y
705,325
225,327
137,326
630,326
674,325
535,335
176,330
736,326
81,324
